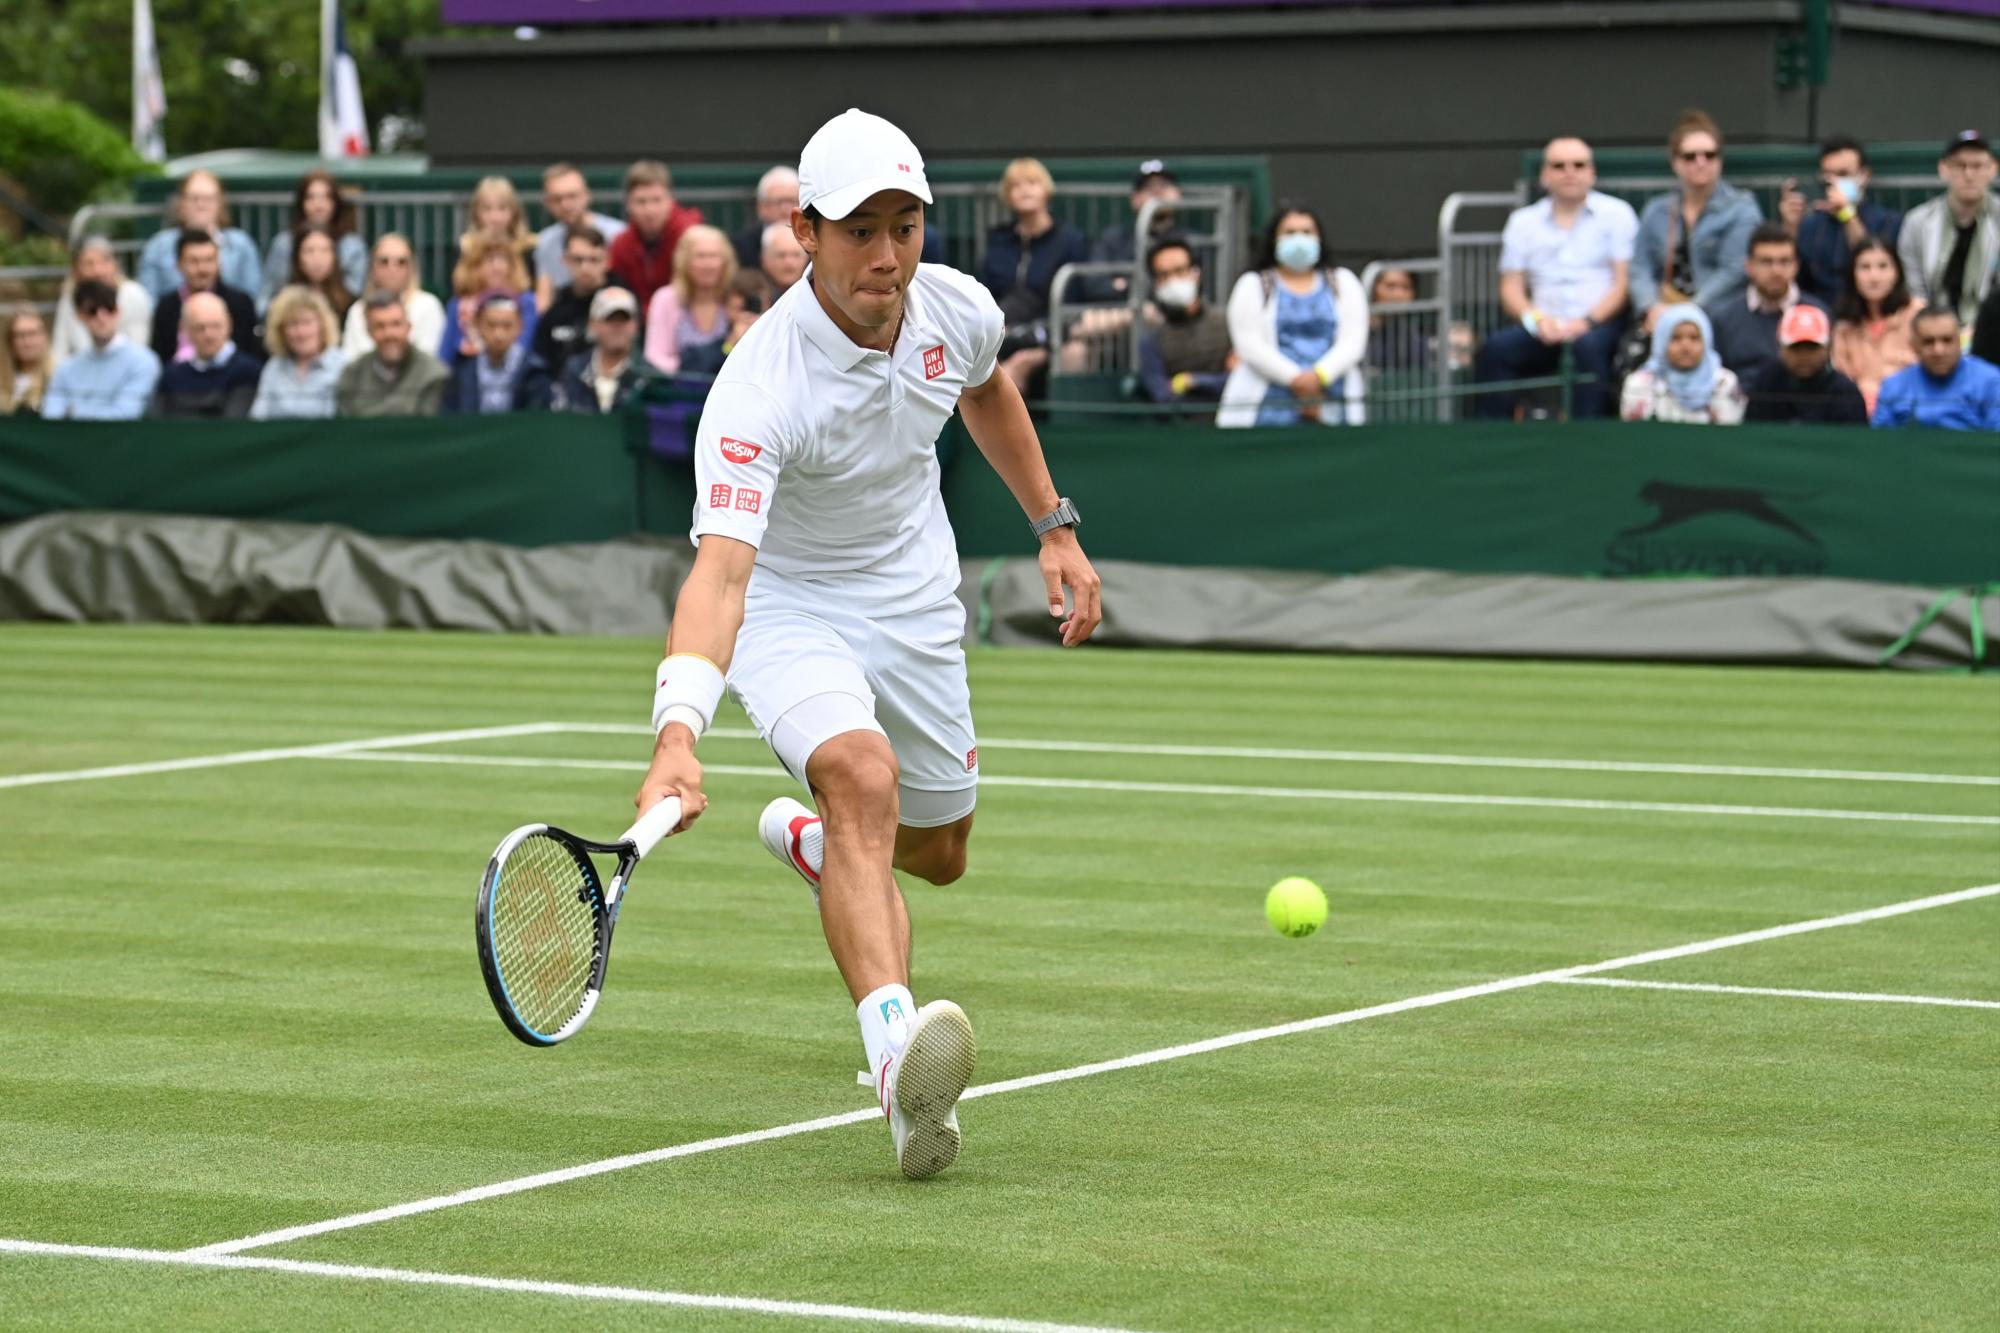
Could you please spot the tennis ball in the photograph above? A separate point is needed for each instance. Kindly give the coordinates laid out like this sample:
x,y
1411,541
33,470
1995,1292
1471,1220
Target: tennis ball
x,y
1296,907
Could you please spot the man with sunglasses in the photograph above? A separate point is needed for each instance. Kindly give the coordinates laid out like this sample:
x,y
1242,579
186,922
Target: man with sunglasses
x,y
1565,271
1693,240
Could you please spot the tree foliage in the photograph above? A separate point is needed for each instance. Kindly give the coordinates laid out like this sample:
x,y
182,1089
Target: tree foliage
x,y
238,73
59,153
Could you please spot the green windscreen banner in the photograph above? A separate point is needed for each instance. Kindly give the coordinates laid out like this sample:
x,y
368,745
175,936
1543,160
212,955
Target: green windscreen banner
x,y
1610,500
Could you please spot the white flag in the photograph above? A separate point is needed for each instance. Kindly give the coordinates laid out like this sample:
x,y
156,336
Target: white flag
x,y
343,127
149,93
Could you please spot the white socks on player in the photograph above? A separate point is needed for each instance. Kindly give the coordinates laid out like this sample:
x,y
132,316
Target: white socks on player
x,y
886,1015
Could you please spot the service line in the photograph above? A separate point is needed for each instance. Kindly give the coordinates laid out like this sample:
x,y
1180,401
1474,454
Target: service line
x,y
323,751
1180,1052
1786,992
536,1287
389,756
1383,757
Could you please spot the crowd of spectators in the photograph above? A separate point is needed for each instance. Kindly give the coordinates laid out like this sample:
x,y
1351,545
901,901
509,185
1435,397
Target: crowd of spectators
x,y
1695,308
1699,310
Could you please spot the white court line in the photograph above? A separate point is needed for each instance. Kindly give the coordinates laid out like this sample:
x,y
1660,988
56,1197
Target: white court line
x,y
288,752
1215,789
572,1290
1867,997
1383,757
1179,1052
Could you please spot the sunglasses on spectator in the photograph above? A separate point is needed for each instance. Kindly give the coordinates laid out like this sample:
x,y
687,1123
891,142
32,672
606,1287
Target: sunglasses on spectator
x,y
1701,155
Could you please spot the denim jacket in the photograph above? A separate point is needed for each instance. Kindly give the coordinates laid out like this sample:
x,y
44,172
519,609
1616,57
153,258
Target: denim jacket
x,y
1720,243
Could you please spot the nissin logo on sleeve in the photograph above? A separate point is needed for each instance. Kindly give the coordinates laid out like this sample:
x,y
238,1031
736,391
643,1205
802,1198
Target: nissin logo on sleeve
x,y
740,451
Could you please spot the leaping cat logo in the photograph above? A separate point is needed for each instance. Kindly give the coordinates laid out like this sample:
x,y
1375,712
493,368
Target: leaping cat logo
x,y
1679,504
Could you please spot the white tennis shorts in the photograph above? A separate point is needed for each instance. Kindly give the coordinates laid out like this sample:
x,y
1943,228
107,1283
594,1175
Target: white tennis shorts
x,y
806,673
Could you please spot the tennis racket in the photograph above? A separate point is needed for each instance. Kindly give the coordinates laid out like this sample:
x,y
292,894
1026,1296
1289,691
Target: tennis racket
x,y
545,919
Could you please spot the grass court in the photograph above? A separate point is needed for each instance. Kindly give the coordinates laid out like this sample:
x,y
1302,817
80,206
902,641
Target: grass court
x,y
1651,997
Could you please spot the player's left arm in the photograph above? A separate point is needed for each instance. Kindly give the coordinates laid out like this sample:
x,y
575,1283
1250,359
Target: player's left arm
x,y
1004,432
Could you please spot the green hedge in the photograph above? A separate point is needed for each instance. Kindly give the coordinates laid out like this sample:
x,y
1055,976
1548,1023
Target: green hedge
x,y
61,154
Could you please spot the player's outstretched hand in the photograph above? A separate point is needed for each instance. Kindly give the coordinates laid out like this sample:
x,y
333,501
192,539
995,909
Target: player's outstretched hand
x,y
674,772
1064,566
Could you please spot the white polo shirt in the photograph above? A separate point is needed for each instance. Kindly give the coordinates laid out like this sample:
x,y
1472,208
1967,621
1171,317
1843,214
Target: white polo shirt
x,y
823,454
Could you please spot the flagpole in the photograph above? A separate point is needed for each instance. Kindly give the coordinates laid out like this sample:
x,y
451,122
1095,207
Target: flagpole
x,y
329,133
149,97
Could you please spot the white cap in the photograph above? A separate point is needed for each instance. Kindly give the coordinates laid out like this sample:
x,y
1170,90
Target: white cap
x,y
856,155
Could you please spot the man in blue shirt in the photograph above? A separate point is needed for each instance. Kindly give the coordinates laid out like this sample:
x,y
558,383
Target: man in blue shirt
x,y
1828,228
1565,270
113,379
1946,389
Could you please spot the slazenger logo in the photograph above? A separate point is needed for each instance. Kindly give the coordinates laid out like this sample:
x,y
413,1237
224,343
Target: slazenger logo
x,y
1737,531
740,451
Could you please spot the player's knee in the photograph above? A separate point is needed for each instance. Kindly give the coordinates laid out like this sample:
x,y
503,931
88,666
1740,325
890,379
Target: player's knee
x,y
856,775
943,866
939,858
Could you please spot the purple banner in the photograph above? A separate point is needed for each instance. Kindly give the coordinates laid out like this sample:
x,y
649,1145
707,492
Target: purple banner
x,y
669,11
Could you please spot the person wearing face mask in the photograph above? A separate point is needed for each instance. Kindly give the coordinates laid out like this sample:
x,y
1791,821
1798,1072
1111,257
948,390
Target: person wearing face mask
x,y
1827,229
1683,380
1300,330
1871,334
1184,355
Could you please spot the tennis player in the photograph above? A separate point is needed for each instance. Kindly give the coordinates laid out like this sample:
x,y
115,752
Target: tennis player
x,y
824,589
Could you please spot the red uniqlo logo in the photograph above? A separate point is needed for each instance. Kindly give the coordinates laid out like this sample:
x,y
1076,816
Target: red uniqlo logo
x,y
718,497
904,166
972,759
740,451
749,501
934,362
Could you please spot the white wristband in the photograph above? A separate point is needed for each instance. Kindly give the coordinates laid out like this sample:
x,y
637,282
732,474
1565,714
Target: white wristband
x,y
689,690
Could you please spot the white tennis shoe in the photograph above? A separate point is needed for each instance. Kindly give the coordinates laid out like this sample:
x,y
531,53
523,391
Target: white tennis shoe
x,y
780,828
919,1088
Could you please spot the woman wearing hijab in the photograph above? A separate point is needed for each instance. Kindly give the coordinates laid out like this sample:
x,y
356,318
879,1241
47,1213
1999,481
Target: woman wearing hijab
x,y
1683,380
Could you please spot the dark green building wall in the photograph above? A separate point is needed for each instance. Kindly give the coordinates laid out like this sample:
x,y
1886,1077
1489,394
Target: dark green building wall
x,y
1374,114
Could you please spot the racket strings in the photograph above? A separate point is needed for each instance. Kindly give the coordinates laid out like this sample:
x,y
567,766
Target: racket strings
x,y
544,925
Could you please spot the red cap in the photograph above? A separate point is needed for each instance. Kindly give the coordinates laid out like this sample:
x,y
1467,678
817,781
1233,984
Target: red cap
x,y
1805,324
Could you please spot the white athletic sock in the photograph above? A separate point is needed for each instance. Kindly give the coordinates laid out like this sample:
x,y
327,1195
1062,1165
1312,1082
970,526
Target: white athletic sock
x,y
886,1015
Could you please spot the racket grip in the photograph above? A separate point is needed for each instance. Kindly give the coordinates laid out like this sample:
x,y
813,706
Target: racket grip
x,y
654,825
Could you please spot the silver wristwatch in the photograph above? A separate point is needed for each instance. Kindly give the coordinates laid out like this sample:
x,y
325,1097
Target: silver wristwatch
x,y
1063,516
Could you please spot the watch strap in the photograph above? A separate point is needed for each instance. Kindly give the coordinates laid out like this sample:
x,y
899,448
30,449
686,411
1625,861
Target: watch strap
x,y
1064,515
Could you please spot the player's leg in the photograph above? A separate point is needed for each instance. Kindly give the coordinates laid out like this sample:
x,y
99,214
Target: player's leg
x,y
801,679
853,777
936,855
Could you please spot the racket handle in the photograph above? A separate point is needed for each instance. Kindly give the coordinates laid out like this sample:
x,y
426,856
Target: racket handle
x,y
654,825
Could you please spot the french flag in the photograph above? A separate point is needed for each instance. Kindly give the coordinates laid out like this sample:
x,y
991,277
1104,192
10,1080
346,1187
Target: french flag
x,y
343,127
